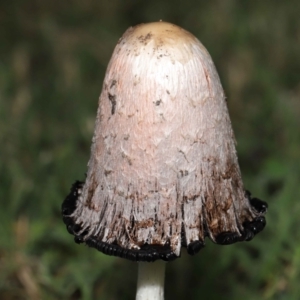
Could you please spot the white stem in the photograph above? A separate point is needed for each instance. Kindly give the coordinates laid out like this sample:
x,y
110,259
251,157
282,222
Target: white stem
x,y
151,278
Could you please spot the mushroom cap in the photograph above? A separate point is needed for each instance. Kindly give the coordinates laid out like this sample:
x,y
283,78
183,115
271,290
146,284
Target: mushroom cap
x,y
163,172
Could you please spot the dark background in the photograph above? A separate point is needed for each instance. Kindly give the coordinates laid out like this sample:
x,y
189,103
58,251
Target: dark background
x,y
53,56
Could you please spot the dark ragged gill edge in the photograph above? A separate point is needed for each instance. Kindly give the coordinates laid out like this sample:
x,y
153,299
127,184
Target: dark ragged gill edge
x,y
151,253
147,252
251,228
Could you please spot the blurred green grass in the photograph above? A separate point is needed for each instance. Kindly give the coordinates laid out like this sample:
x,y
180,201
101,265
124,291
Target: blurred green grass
x,y
53,57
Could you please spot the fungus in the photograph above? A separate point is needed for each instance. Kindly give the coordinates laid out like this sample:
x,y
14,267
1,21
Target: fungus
x,y
163,172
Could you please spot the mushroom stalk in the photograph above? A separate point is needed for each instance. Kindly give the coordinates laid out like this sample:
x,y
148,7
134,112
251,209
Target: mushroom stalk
x,y
151,278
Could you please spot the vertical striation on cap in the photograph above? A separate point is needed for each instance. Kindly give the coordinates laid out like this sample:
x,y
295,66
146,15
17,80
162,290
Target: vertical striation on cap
x,y
163,172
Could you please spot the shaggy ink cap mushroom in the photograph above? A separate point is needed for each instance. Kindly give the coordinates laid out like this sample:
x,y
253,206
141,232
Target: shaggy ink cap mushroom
x,y
163,172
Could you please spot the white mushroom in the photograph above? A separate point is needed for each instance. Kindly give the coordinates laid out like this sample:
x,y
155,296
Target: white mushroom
x,y
163,172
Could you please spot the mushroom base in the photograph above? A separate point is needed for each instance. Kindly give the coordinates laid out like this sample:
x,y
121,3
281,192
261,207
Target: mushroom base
x,y
148,252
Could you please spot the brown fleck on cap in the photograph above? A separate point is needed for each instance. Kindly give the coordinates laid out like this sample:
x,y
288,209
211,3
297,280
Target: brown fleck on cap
x,y
163,172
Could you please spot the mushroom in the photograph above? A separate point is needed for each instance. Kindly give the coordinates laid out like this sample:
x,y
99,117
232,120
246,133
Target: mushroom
x,y
163,172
